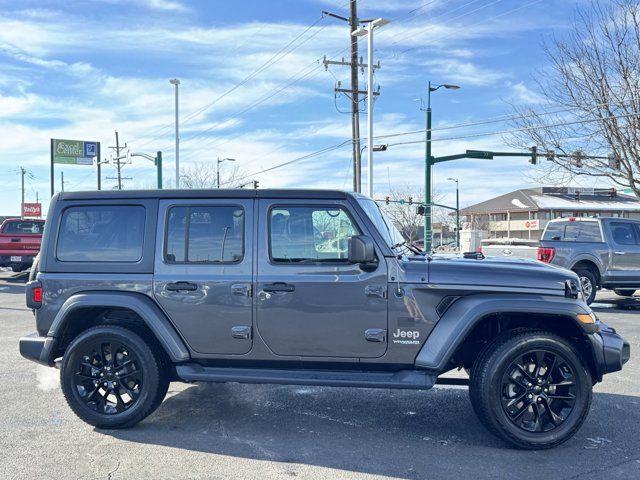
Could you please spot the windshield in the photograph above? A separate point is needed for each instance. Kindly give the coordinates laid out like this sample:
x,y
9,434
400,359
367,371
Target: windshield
x,y
384,225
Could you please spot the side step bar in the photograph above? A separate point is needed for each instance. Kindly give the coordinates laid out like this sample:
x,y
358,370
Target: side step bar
x,y
411,379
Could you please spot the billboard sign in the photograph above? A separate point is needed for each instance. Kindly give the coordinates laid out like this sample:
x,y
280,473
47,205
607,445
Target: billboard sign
x,y
532,225
32,210
74,152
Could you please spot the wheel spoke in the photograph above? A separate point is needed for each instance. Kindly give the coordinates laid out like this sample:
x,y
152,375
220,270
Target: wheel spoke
x,y
539,360
547,374
133,372
563,383
561,397
536,414
129,392
125,364
513,401
556,419
522,370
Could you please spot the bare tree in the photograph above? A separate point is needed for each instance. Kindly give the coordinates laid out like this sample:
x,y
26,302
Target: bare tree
x,y
405,216
204,175
593,88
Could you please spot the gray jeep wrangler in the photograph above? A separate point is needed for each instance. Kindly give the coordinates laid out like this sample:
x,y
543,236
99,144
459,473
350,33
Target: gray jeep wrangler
x,y
135,289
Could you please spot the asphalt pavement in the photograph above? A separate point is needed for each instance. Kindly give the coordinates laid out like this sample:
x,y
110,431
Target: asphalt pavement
x,y
224,431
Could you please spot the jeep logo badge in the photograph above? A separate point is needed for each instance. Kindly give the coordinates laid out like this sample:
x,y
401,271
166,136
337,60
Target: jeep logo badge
x,y
406,337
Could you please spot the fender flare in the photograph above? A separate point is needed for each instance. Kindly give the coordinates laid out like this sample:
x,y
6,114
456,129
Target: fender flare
x,y
146,309
589,258
465,313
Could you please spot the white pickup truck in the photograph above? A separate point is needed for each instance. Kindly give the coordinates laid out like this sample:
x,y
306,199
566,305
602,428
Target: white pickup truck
x,y
510,247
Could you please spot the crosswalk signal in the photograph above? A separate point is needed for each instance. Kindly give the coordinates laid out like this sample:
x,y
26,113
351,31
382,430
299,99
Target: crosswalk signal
x,y
420,210
534,155
387,200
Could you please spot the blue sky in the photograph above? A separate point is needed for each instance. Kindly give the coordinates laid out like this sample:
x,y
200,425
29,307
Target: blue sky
x,y
82,69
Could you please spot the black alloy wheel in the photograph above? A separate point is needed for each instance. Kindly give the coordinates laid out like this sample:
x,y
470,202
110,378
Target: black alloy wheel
x,y
108,377
538,391
113,377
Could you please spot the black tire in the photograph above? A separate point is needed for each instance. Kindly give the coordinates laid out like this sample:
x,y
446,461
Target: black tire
x,y
589,284
492,372
85,374
19,268
624,292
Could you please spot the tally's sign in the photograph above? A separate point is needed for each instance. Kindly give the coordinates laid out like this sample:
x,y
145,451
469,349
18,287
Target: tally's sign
x,y
74,152
32,210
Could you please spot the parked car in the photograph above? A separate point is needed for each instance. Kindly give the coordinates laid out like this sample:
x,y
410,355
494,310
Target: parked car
x,y
20,242
135,289
604,252
509,247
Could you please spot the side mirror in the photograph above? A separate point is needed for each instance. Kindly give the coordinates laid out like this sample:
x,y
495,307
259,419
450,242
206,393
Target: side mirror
x,y
361,249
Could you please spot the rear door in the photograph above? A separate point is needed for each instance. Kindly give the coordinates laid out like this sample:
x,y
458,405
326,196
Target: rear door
x,y
310,301
625,251
203,272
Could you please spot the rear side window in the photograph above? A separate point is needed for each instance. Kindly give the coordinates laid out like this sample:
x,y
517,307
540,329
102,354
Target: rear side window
x,y
204,234
623,233
573,232
101,233
23,228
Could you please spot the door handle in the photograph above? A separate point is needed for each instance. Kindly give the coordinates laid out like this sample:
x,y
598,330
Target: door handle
x,y
619,253
278,287
181,286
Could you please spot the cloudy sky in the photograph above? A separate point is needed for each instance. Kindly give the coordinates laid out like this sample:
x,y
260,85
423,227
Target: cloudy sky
x,y
254,88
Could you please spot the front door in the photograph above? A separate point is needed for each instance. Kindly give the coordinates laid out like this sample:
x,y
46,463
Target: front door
x,y
310,301
203,272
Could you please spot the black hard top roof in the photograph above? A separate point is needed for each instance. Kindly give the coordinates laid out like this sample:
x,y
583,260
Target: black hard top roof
x,y
206,193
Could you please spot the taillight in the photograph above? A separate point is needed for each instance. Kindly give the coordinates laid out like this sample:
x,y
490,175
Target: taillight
x,y
35,294
546,254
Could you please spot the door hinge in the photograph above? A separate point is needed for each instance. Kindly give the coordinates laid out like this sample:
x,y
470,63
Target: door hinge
x,y
241,332
375,335
243,289
376,291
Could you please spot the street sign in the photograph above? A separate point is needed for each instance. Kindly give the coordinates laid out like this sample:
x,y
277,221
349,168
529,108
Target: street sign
x,y
32,210
532,225
627,191
74,152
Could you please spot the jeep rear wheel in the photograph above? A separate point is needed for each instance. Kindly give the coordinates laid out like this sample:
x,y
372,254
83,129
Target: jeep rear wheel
x,y
531,389
112,378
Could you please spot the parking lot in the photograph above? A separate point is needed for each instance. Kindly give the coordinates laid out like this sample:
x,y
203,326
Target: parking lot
x,y
269,431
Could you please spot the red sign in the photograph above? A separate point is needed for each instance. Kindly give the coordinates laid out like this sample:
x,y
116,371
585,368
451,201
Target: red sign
x,y
32,210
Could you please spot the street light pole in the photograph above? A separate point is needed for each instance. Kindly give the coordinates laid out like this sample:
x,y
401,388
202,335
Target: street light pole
x,y
457,211
428,163
176,82
219,161
368,31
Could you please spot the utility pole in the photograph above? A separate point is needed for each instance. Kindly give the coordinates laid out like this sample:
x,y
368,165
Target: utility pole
x,y
176,82
353,92
117,148
22,174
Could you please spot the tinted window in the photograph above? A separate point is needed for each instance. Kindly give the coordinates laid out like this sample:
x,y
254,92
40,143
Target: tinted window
x,y
205,234
110,233
623,233
316,234
573,232
24,227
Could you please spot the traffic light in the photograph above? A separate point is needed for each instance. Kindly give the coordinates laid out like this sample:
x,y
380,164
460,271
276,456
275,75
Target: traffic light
x,y
256,184
387,200
420,210
410,200
534,155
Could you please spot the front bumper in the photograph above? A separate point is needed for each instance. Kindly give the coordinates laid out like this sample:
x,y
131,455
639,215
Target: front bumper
x,y
37,349
611,351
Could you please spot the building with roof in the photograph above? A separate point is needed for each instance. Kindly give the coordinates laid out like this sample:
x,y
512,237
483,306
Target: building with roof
x,y
524,213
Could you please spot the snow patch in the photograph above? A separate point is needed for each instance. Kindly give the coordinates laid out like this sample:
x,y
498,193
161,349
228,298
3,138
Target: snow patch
x,y
518,203
47,378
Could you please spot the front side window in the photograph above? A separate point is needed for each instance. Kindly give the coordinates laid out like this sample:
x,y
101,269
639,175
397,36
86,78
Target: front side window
x,y
204,234
101,233
310,234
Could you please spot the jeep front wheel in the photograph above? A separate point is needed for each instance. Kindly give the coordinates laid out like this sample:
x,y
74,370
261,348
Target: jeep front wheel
x,y
531,389
112,378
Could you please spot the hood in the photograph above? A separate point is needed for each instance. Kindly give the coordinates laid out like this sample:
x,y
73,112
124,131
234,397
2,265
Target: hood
x,y
505,273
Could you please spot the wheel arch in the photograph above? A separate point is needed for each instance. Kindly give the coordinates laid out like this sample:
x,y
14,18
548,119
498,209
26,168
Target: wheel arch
x,y
589,263
84,310
475,320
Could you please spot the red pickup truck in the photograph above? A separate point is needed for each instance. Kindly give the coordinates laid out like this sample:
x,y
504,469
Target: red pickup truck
x,y
20,242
